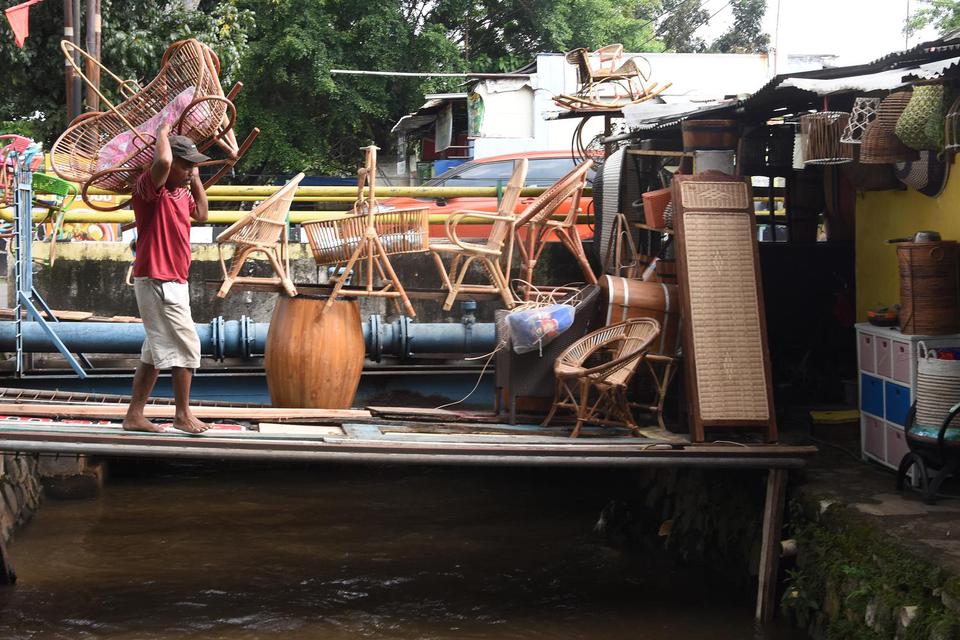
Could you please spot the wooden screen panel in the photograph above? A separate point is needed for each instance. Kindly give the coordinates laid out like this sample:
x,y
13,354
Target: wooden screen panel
x,y
724,340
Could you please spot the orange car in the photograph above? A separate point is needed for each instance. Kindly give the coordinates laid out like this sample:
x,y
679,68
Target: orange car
x,y
544,168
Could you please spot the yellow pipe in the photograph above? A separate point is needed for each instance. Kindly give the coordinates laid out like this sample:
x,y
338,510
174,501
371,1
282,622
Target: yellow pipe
x,y
227,217
382,192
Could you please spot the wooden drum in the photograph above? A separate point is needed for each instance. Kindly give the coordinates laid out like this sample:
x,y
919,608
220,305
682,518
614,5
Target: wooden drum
x,y
625,298
314,361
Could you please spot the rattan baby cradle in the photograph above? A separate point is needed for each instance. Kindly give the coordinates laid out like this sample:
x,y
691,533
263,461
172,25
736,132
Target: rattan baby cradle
x,y
108,149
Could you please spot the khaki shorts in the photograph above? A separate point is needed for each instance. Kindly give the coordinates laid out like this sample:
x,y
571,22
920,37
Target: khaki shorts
x,y
171,337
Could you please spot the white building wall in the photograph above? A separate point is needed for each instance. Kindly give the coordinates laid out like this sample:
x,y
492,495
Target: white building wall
x,y
695,77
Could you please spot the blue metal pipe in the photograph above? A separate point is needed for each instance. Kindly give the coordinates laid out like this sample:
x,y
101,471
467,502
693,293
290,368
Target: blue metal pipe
x,y
246,339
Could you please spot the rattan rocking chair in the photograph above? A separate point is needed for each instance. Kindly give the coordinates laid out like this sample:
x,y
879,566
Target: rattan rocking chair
x,y
488,254
109,149
262,230
536,225
598,394
606,69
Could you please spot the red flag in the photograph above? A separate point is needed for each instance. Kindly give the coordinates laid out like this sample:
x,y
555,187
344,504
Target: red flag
x,y
18,17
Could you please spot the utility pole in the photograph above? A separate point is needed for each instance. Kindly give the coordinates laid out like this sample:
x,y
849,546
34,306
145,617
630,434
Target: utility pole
x,y
67,69
77,95
93,49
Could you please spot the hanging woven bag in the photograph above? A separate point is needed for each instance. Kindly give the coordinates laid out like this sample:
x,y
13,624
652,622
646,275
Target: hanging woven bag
x,y
938,389
920,125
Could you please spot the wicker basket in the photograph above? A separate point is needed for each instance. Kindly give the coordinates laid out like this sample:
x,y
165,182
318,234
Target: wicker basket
x,y
863,113
952,128
880,143
920,126
938,388
929,287
823,131
400,231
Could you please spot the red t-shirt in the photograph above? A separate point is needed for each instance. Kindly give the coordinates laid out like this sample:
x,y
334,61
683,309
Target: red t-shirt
x,y
163,230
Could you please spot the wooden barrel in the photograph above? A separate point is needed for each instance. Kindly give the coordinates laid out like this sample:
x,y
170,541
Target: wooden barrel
x,y
314,362
929,288
710,135
626,298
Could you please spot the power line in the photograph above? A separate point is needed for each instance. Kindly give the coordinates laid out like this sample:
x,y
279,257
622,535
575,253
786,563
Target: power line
x,y
697,26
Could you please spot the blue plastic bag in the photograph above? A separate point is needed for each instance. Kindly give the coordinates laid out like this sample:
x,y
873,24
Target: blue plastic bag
x,y
531,329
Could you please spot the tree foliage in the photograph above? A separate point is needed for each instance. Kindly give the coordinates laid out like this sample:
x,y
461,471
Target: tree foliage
x,y
284,51
746,33
135,35
943,14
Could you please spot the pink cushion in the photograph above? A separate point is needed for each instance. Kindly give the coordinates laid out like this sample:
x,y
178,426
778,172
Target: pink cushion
x,y
119,150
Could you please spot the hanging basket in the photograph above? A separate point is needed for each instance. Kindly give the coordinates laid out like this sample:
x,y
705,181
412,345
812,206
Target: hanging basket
x,y
951,133
880,144
823,131
920,126
864,111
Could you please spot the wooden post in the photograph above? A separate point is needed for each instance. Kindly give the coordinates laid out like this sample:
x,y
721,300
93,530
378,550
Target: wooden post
x,y
77,93
770,549
7,574
92,34
67,69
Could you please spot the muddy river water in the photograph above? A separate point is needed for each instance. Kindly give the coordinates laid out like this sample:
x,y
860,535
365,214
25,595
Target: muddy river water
x,y
243,552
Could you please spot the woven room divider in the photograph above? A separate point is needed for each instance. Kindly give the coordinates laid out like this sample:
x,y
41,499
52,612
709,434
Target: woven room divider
x,y
727,362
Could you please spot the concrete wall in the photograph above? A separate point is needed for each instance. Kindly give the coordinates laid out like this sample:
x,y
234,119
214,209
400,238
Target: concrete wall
x,y
89,276
882,215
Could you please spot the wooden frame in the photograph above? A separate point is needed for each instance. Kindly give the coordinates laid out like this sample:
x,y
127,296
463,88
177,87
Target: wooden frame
x,y
260,231
723,319
488,254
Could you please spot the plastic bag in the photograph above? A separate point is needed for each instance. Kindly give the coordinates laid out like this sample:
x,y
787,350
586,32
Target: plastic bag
x,y
531,329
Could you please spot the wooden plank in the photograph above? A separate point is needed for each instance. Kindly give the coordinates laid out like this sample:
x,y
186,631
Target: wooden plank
x,y
770,549
282,428
60,314
254,414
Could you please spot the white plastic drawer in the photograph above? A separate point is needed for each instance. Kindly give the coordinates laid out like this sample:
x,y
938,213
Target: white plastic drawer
x,y
867,355
902,361
896,444
884,353
873,437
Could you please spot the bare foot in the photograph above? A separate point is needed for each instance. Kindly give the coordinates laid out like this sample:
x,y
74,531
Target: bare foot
x,y
189,424
140,423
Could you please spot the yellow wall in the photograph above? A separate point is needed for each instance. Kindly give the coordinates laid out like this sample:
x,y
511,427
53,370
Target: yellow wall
x,y
882,215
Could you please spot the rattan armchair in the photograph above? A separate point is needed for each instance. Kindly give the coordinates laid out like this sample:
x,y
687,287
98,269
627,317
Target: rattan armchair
x,y
598,393
488,254
262,230
109,149
535,226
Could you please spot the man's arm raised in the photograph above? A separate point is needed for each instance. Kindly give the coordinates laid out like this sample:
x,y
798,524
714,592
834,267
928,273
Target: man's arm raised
x,y
162,157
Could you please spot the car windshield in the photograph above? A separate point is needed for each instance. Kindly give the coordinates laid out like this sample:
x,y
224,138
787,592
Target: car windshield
x,y
541,172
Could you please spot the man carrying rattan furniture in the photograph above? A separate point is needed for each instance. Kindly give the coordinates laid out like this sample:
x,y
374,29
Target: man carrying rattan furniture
x,y
165,197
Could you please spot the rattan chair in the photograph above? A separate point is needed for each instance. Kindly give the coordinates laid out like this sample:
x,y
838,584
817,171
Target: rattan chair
x,y
262,230
605,67
109,149
536,226
598,393
488,254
